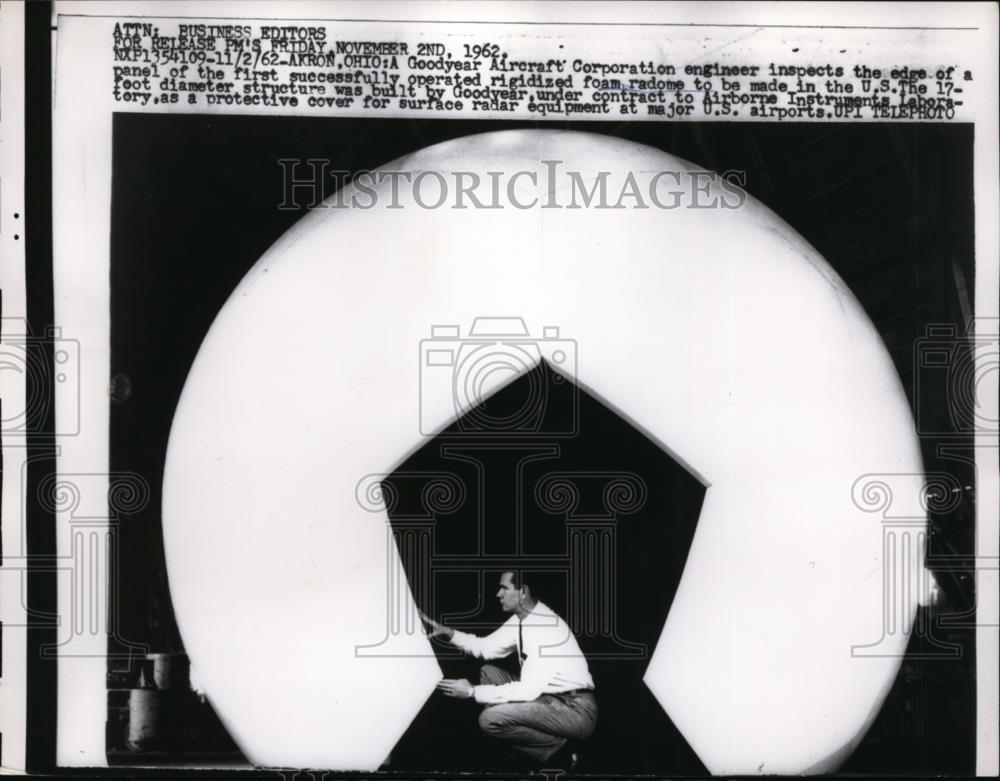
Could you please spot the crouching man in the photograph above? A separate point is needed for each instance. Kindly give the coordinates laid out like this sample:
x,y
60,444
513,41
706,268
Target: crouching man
x,y
551,701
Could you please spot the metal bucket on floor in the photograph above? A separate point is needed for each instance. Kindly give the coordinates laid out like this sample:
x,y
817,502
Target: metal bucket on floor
x,y
145,709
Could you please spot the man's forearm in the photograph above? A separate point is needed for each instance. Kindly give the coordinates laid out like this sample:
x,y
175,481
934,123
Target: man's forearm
x,y
492,646
479,647
515,691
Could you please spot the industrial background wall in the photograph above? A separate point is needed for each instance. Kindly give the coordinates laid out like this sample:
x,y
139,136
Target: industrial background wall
x,y
195,204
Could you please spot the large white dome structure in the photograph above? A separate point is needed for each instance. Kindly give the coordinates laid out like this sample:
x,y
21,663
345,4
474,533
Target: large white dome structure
x,y
718,332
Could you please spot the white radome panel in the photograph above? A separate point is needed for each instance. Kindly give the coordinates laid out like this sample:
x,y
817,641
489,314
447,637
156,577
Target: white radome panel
x,y
719,333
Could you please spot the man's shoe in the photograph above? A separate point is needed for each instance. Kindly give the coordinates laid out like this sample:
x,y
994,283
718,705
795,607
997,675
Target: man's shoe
x,y
566,758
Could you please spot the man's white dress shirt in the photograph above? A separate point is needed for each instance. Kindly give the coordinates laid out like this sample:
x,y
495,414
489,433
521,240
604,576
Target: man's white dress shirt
x,y
551,659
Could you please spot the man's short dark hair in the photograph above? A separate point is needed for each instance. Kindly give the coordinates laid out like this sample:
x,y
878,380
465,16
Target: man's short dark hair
x,y
517,578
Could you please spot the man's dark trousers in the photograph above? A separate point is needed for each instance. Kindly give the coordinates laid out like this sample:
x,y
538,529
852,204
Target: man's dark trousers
x,y
541,727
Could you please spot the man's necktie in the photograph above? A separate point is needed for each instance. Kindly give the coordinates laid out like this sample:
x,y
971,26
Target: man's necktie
x,y
521,655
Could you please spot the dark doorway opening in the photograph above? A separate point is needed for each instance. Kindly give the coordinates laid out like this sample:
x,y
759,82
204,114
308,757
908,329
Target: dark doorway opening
x,y
595,515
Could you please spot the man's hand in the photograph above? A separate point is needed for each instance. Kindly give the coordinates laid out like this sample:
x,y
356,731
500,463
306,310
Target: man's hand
x,y
458,688
436,629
